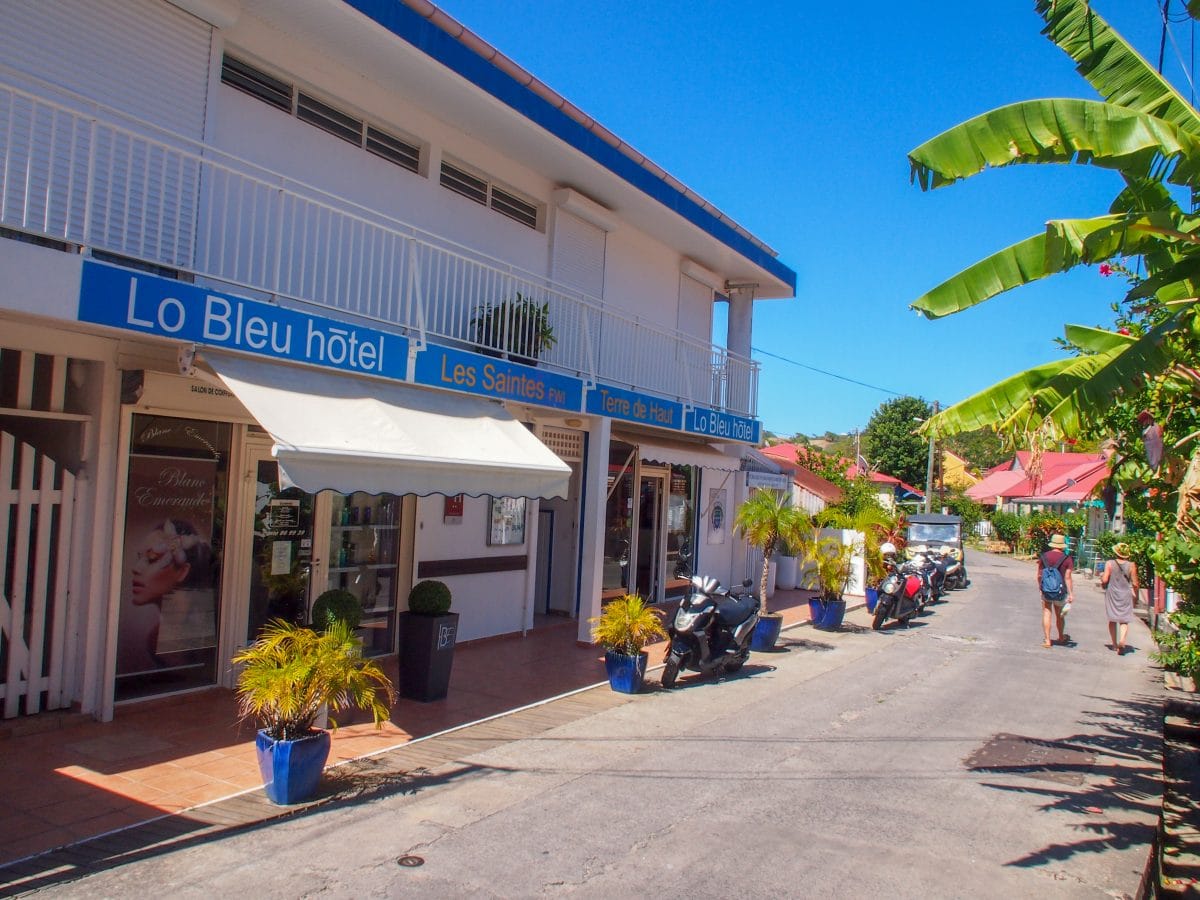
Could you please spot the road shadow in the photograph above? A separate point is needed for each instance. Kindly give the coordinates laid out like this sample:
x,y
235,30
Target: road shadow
x,y
1107,774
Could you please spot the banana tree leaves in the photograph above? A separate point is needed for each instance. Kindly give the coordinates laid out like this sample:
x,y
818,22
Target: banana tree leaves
x,y
1111,66
1066,244
1060,394
1096,340
1060,131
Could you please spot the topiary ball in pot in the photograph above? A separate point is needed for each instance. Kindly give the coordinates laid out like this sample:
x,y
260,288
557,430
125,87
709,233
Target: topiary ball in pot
x,y
429,598
338,605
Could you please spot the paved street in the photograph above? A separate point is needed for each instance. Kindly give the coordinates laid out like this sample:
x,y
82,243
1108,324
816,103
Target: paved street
x,y
848,764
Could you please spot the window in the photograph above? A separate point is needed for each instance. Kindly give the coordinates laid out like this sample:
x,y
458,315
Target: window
x,y
479,189
330,119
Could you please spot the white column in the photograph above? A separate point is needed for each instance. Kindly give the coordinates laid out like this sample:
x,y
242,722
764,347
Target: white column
x,y
591,570
740,325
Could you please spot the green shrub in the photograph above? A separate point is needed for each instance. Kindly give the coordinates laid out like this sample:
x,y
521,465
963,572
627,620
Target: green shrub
x,y
338,605
1008,527
429,598
1179,651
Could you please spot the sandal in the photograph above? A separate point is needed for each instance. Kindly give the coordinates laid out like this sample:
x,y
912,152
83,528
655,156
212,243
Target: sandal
x,y
1065,639
1047,644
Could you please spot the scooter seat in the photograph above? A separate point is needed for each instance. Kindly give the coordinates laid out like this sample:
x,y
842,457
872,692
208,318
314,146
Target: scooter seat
x,y
734,610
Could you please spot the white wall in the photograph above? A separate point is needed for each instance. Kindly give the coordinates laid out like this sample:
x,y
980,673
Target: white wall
x,y
489,603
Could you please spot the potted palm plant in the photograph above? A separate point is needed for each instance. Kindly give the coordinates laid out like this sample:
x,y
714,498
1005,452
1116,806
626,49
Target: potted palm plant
x,y
623,628
289,675
518,328
765,519
834,571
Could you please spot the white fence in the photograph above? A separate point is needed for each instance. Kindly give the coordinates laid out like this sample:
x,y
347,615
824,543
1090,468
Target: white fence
x,y
36,500
89,177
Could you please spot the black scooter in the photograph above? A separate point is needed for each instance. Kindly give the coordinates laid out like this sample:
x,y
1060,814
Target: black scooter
x,y
711,630
901,595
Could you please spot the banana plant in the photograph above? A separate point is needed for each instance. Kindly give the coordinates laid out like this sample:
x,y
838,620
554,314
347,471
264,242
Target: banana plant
x,y
1143,129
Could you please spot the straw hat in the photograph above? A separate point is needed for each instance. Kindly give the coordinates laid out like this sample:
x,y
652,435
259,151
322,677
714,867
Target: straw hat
x,y
1121,550
1058,542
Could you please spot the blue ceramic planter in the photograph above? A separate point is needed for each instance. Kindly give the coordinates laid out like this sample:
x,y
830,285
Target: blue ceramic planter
x,y
835,611
872,599
816,609
625,673
766,633
291,770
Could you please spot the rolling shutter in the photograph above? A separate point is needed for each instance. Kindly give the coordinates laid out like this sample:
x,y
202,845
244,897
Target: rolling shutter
x,y
579,254
144,57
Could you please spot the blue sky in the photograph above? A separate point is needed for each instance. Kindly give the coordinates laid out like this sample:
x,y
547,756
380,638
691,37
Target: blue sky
x,y
795,119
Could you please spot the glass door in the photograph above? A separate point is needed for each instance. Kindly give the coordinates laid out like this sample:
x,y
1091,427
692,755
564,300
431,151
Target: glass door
x,y
650,549
174,537
364,541
281,552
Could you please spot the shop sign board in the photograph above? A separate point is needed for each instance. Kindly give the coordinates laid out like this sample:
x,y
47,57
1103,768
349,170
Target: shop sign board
x,y
768,480
630,406
137,301
722,425
474,373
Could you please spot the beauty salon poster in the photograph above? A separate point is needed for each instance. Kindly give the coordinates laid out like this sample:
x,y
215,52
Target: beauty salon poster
x,y
168,589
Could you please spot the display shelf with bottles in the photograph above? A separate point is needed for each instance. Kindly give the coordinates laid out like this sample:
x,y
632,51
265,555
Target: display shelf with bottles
x,y
363,551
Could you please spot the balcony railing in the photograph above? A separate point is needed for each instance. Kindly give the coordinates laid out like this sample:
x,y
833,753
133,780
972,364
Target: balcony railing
x,y
97,179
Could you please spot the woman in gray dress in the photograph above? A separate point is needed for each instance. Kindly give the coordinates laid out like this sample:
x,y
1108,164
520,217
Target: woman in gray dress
x,y
1120,583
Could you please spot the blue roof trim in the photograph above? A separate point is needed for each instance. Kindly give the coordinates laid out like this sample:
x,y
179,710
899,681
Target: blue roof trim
x,y
431,40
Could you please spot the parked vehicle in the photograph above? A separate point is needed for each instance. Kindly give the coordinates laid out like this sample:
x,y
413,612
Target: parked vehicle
x,y
935,531
929,566
901,593
711,630
953,568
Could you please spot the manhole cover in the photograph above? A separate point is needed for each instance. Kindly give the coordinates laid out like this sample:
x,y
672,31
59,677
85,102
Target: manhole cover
x,y
1033,757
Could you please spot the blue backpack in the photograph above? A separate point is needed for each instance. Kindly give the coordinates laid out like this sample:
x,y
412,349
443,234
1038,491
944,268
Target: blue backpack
x,y
1052,583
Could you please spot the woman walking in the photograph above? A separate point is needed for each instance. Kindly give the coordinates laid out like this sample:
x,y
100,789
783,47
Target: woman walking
x,y
1120,583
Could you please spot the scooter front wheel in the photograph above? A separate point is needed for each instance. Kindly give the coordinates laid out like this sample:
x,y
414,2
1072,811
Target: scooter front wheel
x,y
881,616
737,662
670,672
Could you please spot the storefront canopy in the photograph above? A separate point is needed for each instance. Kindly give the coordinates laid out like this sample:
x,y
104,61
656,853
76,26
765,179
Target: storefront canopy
x,y
682,453
347,433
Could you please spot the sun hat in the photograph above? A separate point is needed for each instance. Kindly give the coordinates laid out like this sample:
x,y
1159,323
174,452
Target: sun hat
x,y
1058,542
1121,550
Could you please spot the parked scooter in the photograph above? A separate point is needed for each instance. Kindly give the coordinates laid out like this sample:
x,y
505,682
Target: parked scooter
x,y
711,630
902,593
926,566
955,569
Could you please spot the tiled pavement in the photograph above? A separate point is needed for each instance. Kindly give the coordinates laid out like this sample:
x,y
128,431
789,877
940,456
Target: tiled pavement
x,y
80,795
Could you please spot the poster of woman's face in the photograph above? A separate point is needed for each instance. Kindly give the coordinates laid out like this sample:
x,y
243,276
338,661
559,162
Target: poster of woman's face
x,y
168,597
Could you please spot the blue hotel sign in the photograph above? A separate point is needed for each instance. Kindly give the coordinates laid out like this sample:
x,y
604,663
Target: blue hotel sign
x,y
474,373
722,426
139,302
618,403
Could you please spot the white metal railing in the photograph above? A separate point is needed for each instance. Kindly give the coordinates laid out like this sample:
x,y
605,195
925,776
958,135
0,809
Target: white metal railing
x,y
95,178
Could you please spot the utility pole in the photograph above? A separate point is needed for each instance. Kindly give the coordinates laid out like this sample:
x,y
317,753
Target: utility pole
x,y
929,466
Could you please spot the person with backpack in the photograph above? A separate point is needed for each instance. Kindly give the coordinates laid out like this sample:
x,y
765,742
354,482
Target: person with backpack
x,y
1120,583
1054,583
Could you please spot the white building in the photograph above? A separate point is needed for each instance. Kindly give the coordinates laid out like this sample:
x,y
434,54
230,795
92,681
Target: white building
x,y
254,262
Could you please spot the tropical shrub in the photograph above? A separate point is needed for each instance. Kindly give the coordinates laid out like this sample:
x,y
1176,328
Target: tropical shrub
x,y
626,625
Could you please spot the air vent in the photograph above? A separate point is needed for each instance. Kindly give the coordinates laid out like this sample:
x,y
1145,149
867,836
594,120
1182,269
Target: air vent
x,y
514,207
393,149
566,444
470,186
256,83
311,110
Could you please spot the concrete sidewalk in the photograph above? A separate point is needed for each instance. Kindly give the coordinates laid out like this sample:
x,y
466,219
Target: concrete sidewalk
x,y
82,795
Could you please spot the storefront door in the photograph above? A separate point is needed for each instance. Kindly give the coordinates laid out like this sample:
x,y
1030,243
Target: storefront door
x,y
280,551
650,534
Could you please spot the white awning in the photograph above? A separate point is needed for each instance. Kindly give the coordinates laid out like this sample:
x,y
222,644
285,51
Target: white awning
x,y
681,453
347,433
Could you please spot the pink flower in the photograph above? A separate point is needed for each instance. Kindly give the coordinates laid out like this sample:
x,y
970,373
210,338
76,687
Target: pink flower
x,y
1124,331
1105,269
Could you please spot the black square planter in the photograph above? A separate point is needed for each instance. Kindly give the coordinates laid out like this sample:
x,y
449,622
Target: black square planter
x,y
426,655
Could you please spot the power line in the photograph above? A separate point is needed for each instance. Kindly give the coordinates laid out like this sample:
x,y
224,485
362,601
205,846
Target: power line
x,y
873,387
